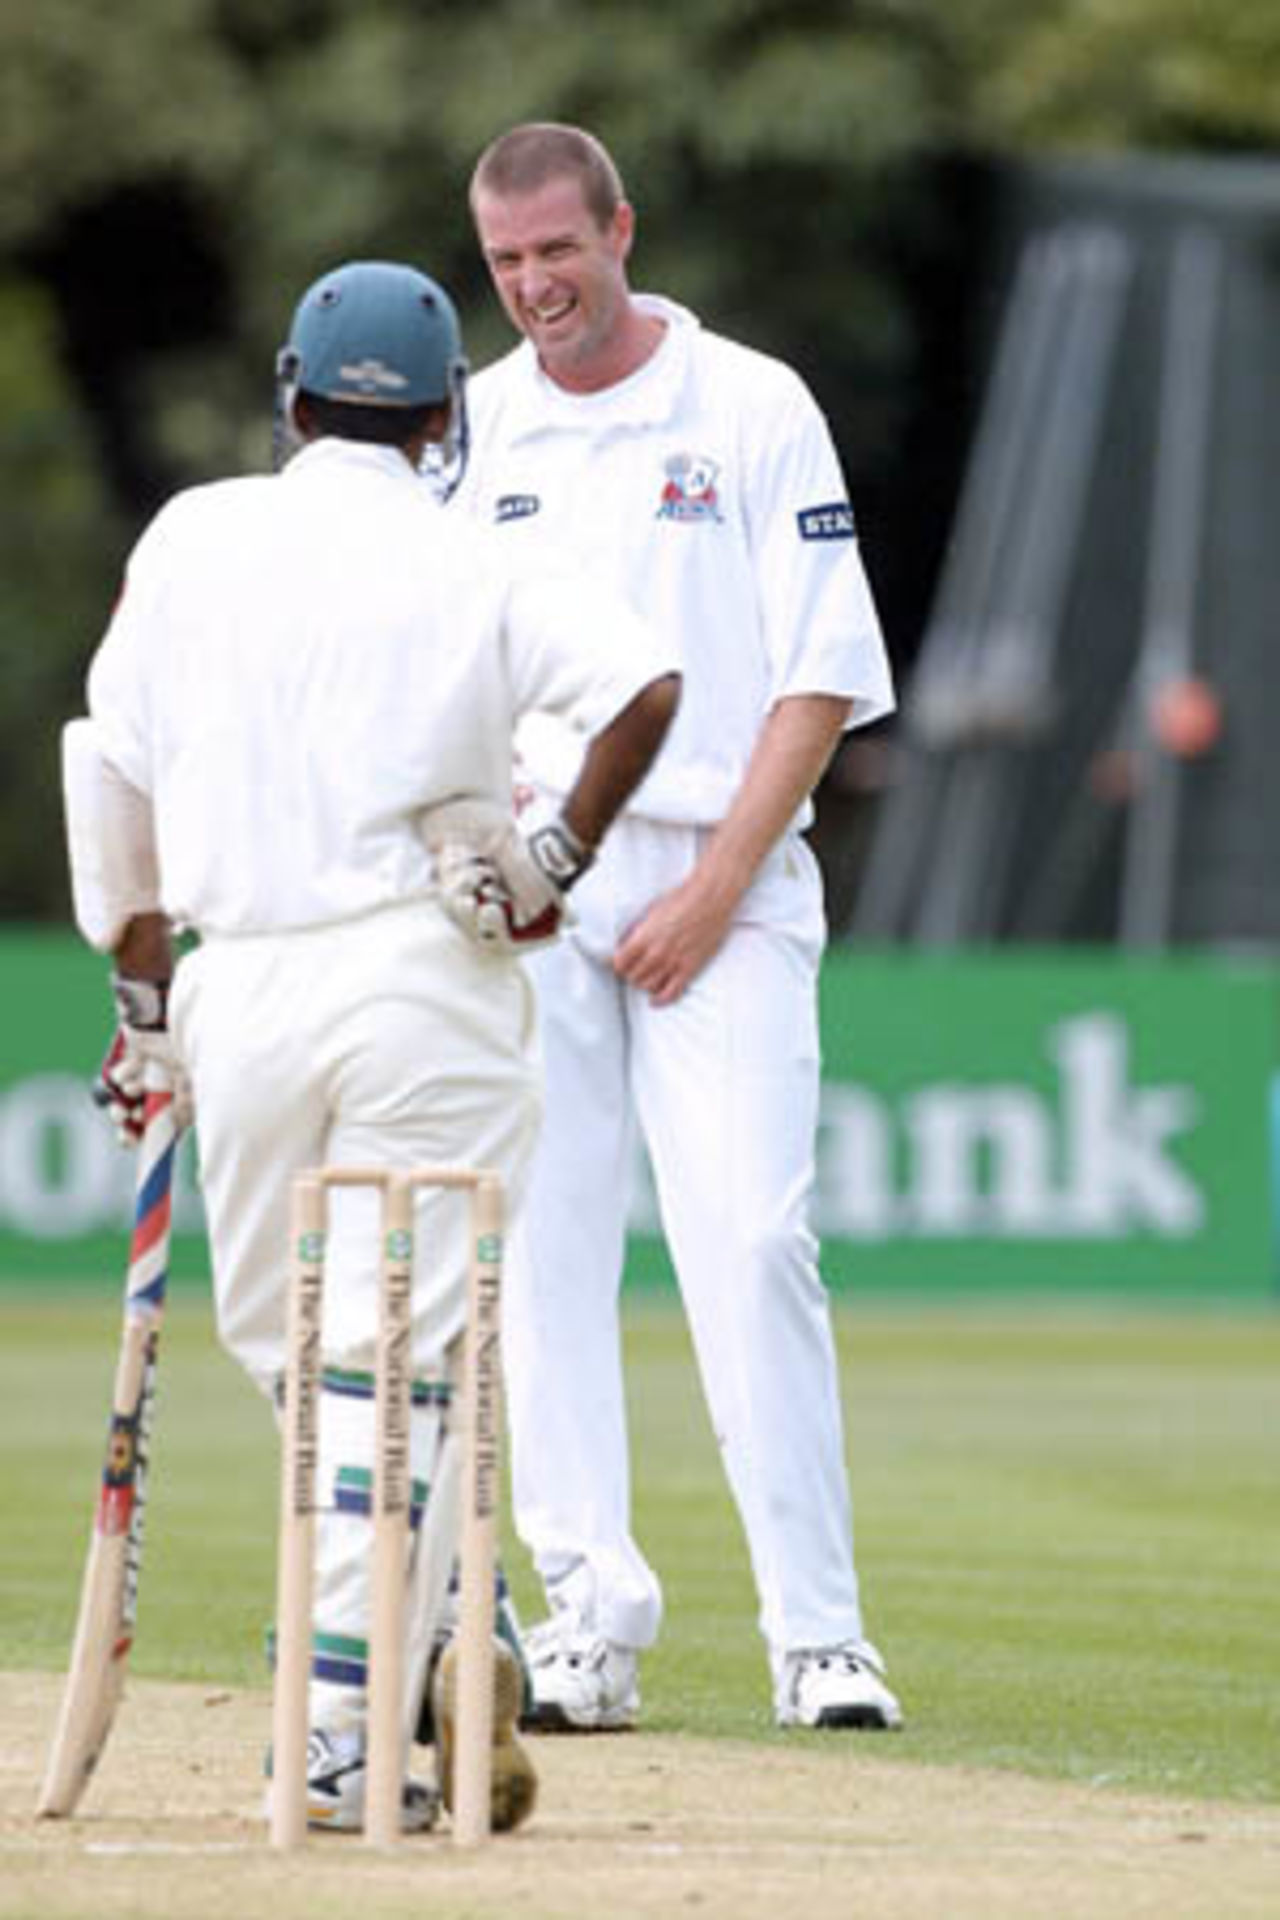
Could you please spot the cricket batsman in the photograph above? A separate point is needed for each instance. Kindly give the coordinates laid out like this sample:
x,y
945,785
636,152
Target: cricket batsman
x,y
296,769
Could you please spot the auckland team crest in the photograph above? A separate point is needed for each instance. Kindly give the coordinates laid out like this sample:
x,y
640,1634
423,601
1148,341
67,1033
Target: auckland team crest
x,y
690,489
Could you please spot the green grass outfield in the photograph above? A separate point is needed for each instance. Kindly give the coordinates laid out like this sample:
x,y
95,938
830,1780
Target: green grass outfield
x,y
1068,1527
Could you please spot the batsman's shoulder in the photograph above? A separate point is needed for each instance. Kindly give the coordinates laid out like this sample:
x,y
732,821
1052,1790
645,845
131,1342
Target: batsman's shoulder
x,y
192,512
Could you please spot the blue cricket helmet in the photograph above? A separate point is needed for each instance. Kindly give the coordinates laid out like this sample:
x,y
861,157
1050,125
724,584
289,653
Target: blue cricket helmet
x,y
376,333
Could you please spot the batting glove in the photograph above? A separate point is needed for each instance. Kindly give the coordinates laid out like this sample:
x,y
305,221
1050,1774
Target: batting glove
x,y
141,1039
506,892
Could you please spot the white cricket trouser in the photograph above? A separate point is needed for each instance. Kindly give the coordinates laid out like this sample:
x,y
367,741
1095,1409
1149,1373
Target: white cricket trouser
x,y
391,1040
724,1084
387,1041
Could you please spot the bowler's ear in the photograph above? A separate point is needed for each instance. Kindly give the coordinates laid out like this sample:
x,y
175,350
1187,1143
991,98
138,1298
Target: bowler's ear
x,y
624,227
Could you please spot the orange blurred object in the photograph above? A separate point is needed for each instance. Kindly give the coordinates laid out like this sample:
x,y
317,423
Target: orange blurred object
x,y
1186,717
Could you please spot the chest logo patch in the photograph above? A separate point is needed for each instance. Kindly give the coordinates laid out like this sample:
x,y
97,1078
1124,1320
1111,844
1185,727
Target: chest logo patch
x,y
515,506
689,492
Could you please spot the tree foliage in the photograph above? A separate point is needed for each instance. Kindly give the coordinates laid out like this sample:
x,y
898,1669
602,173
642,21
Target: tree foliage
x,y
173,174
1161,74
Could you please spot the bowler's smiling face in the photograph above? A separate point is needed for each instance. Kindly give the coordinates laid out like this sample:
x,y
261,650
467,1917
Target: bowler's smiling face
x,y
561,277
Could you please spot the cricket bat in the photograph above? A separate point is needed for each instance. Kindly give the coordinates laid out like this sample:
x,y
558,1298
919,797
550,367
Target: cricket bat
x,y
109,1592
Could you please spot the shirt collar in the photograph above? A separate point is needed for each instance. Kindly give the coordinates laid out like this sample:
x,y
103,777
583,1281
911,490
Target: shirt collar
x,y
362,454
646,398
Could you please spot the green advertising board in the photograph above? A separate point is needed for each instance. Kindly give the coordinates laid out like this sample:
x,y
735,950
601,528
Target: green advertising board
x,y
66,1183
1023,1118
1012,1120
1047,1120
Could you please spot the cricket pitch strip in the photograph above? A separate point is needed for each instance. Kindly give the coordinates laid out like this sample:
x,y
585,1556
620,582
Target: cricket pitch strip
x,y
633,1827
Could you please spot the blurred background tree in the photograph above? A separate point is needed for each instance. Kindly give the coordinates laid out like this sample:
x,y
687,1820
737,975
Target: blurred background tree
x,y
812,175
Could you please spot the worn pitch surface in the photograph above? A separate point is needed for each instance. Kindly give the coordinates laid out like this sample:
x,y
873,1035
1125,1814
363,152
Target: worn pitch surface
x,y
630,1825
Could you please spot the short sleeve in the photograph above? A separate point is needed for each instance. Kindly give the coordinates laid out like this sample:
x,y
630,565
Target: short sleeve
x,y
821,629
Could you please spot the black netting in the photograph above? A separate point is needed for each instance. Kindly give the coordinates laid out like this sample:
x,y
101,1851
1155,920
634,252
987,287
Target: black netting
x,y
1117,544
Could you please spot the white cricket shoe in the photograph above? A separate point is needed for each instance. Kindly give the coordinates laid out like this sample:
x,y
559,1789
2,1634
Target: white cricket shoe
x,y
841,1686
336,1782
582,1683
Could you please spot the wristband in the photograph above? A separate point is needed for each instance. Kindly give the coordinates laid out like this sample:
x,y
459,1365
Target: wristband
x,y
560,854
143,1004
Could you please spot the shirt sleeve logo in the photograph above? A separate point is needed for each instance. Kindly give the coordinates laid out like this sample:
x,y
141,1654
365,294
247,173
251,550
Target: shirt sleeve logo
x,y
515,506
832,522
689,492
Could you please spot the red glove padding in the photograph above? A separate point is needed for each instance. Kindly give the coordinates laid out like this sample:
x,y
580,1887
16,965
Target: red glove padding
x,y
120,1088
478,899
119,1091
506,892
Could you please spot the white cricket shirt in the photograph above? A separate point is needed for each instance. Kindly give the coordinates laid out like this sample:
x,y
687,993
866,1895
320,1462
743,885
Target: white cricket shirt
x,y
707,489
300,663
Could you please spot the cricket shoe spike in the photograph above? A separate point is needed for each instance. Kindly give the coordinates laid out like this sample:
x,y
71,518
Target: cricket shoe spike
x,y
514,1785
582,1683
840,1686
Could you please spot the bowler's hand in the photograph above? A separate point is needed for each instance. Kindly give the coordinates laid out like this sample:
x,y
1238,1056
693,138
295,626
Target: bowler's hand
x,y
673,940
